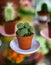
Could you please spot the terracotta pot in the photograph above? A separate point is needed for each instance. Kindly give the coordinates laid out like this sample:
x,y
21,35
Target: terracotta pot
x,y
49,31
25,42
9,27
43,17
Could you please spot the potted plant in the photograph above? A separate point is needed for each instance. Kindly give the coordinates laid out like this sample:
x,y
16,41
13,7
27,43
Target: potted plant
x,y
9,19
49,29
3,4
24,35
43,14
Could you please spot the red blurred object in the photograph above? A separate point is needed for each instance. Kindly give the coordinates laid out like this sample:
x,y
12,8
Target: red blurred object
x,y
26,5
1,61
38,56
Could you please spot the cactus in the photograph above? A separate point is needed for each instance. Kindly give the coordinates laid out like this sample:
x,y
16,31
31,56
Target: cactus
x,y
22,32
9,12
31,29
44,8
19,33
24,29
26,25
20,26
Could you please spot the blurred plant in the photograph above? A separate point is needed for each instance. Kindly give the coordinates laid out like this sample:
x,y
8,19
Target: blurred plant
x,y
9,12
44,8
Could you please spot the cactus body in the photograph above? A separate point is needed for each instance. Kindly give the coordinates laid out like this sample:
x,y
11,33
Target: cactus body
x,y
25,29
9,12
44,8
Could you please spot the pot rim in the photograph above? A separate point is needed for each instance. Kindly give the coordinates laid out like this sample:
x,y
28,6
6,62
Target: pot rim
x,y
42,13
25,36
11,20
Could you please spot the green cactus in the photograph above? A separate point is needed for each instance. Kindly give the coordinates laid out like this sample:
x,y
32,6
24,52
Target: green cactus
x,y
24,29
44,8
9,12
22,32
20,25
26,25
31,29
19,33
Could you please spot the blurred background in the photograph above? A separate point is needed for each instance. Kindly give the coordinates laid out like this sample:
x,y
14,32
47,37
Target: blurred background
x,y
27,11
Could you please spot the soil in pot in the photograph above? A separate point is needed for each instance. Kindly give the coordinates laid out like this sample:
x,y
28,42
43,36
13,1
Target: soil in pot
x,y
25,42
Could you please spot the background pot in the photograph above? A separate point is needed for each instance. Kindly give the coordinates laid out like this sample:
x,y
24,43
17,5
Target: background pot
x,y
9,27
25,42
49,30
43,17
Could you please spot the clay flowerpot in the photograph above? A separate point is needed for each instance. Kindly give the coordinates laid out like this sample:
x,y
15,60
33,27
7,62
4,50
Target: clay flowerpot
x,y
9,27
43,17
25,42
49,30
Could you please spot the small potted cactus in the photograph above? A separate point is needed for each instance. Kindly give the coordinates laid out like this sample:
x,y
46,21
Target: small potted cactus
x,y
24,35
49,29
9,19
43,14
